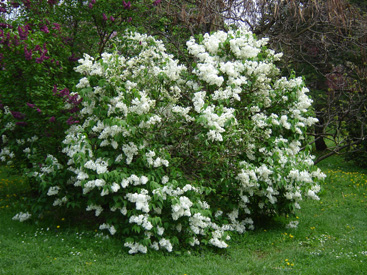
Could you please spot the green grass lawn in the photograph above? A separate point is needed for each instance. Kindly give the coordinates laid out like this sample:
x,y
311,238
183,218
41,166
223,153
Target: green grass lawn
x,y
331,238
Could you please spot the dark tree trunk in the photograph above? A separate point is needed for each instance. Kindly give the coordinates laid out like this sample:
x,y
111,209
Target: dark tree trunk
x,y
319,140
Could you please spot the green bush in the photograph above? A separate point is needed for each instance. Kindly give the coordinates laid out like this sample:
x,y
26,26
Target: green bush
x,y
170,158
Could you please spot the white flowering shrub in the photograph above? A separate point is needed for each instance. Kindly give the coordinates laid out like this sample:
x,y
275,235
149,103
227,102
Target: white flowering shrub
x,y
171,157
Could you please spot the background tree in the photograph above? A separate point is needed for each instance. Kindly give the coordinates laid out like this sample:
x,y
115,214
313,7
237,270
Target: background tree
x,y
325,41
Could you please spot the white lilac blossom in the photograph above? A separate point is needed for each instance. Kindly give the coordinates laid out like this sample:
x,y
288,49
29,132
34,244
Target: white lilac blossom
x,y
157,162
194,242
183,112
141,220
160,230
109,227
53,190
98,209
292,224
100,165
84,82
136,247
198,223
216,239
22,216
182,208
20,141
6,153
164,243
130,150
165,179
140,199
60,202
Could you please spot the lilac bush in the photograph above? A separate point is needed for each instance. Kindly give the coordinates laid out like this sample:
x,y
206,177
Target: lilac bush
x,y
170,157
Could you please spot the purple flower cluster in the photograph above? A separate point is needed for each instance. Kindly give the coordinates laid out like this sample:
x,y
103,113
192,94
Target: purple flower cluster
x,y
44,29
17,115
92,2
23,34
5,26
71,121
52,2
56,26
2,8
73,58
15,4
72,99
126,5
157,2
27,3
42,52
33,106
27,53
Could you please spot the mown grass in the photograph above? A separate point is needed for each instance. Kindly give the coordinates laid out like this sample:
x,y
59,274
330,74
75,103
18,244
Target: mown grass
x,y
331,238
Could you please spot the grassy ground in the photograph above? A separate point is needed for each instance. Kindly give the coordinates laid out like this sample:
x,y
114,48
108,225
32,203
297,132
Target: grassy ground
x,y
330,239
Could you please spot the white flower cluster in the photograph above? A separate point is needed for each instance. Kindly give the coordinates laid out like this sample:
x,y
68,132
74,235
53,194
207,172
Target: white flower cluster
x,y
134,180
164,243
109,227
22,216
6,153
88,66
75,143
88,186
136,247
141,220
173,192
60,202
130,150
156,162
100,165
141,199
216,239
54,164
198,223
142,104
292,224
182,208
216,122
97,208
53,190
183,112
